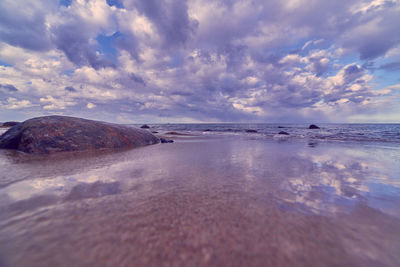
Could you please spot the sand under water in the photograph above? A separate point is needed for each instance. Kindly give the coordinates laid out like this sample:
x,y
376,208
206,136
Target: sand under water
x,y
214,201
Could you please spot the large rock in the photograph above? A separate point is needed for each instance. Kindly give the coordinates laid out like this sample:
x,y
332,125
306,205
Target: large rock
x,y
10,123
59,133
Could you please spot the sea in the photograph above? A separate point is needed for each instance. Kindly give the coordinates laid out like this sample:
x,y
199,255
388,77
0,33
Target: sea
x,y
376,133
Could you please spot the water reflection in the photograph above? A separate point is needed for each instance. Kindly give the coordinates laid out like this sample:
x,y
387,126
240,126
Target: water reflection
x,y
312,143
205,191
32,203
326,179
93,190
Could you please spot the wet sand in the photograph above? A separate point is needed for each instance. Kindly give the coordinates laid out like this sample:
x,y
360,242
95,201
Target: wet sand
x,y
204,202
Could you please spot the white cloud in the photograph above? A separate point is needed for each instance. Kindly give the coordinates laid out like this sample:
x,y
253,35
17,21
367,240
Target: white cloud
x,y
13,103
55,103
90,105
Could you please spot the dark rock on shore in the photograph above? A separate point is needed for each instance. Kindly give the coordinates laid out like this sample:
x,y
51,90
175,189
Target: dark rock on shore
x,y
284,133
163,141
10,123
251,131
313,126
50,134
178,134
145,126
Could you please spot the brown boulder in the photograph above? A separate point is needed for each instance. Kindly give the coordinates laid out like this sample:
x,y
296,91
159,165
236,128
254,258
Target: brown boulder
x,y
50,134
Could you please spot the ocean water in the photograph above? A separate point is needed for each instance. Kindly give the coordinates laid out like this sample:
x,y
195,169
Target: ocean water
x,y
385,133
218,196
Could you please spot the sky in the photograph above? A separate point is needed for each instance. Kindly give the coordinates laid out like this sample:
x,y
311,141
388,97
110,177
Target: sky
x,y
190,61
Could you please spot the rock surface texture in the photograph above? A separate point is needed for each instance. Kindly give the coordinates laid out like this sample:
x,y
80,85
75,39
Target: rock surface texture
x,y
10,123
163,140
313,126
50,134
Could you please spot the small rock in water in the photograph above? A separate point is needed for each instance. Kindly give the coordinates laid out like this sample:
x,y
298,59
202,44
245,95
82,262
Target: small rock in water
x,y
173,133
313,126
284,133
207,130
281,127
163,141
251,131
154,132
145,126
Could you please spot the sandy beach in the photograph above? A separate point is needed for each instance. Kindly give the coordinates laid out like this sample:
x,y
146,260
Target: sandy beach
x,y
210,201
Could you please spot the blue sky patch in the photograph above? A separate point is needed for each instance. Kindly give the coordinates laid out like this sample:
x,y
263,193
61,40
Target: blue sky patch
x,y
5,64
106,47
65,2
116,3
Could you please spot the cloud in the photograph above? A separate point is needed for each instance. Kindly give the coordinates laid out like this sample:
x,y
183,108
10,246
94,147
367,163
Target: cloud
x,y
23,23
70,89
74,29
8,87
375,31
55,103
90,105
170,18
137,79
203,60
13,103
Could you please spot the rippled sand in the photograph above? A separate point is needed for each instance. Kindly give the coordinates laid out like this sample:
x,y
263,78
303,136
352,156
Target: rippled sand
x,y
214,202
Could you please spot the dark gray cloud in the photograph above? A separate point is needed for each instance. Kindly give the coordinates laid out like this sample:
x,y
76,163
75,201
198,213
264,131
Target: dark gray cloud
x,y
22,24
375,32
73,40
129,43
9,87
352,73
170,18
137,78
70,89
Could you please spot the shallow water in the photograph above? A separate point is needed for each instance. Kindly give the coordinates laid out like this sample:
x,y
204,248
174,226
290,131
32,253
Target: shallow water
x,y
229,201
